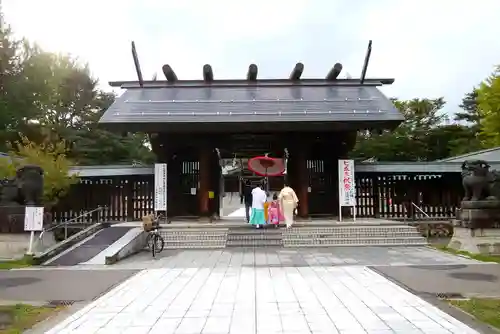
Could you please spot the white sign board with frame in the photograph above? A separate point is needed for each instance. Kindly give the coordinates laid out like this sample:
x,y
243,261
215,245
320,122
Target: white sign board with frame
x,y
160,200
33,218
347,186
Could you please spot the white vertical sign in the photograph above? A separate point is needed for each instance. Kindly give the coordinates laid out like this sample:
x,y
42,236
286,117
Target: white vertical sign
x,y
160,187
347,186
33,221
33,218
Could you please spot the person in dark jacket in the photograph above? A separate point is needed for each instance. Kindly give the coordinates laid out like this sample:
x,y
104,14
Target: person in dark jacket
x,y
246,198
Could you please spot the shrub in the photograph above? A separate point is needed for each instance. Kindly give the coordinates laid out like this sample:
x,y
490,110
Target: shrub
x,y
51,157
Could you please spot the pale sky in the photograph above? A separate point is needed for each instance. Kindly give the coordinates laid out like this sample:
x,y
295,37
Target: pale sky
x,y
432,48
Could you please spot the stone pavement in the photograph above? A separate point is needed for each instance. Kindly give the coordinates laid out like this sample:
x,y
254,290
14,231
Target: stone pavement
x,y
269,291
289,257
260,300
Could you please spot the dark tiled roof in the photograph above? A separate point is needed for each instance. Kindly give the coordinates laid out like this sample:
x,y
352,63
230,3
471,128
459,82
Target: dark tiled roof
x,y
220,104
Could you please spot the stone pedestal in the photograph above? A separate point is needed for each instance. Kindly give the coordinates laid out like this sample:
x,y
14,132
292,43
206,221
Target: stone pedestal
x,y
480,214
12,219
485,241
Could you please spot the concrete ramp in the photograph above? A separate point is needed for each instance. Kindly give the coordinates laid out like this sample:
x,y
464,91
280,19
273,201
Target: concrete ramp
x,y
130,243
90,248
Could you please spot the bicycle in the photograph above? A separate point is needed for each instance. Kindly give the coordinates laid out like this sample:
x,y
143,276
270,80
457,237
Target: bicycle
x,y
154,241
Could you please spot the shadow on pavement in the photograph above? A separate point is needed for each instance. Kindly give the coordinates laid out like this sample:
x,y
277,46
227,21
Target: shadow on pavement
x,y
47,285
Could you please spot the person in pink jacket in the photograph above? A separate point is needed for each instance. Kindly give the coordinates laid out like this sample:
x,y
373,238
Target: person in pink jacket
x,y
274,214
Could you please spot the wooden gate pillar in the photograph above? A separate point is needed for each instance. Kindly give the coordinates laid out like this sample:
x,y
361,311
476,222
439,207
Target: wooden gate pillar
x,y
204,174
174,179
303,181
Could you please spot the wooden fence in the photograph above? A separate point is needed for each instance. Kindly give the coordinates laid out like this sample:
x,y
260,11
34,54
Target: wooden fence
x,y
384,195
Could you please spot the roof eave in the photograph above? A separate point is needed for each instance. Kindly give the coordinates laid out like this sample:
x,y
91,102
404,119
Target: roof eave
x,y
262,82
247,127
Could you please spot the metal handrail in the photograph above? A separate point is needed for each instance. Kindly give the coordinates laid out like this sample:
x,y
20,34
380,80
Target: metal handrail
x,y
71,221
419,209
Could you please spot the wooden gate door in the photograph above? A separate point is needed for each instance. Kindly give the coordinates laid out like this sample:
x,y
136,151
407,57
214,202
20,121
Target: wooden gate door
x,y
320,184
189,189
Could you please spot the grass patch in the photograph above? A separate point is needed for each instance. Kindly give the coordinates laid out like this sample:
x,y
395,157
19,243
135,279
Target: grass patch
x,y
16,319
26,261
484,309
478,257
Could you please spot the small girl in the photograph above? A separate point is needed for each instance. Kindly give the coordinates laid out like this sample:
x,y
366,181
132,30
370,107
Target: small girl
x,y
273,212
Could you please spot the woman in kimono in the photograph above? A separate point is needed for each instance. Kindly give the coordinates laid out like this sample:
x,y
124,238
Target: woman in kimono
x,y
274,212
288,203
259,197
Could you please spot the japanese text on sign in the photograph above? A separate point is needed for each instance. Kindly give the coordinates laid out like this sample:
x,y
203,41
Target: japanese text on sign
x,y
33,218
347,190
160,200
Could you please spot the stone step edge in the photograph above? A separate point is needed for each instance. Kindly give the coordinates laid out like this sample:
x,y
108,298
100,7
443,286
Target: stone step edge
x,y
333,239
285,232
253,244
241,224
257,231
360,228
196,237
260,240
256,237
167,235
178,244
262,235
193,234
337,236
356,241
197,241
357,245
345,232
211,231
195,246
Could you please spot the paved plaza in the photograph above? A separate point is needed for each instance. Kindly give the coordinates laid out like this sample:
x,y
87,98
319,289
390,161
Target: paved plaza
x,y
290,257
260,300
268,291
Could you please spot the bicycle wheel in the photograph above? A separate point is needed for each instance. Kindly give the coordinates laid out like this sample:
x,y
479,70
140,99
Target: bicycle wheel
x,y
159,243
153,244
149,241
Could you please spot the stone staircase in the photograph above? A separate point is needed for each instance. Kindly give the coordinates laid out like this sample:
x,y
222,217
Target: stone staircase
x,y
349,234
353,235
178,238
250,237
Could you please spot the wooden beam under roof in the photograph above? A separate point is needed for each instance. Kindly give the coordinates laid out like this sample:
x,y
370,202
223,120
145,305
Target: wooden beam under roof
x,y
169,73
334,72
137,64
367,61
208,73
297,71
252,72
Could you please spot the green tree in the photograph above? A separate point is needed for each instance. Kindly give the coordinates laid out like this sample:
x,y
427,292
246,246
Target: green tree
x,y
450,140
488,97
73,112
470,112
18,102
52,97
409,142
93,145
470,122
